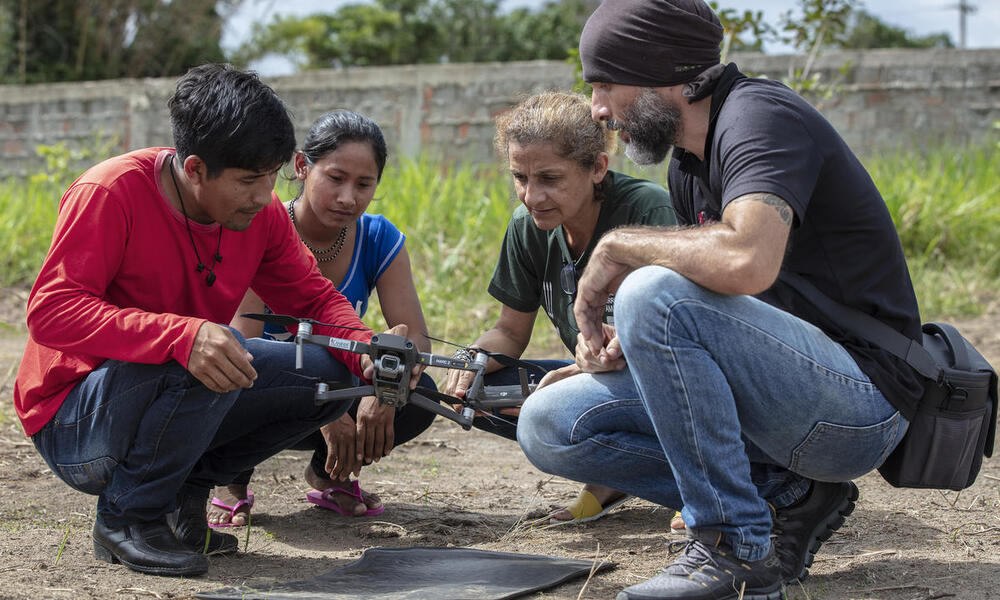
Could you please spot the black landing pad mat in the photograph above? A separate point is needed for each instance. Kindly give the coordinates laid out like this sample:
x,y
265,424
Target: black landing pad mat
x,y
424,573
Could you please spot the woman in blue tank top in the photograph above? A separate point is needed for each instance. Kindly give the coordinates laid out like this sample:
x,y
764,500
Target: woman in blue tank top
x,y
339,167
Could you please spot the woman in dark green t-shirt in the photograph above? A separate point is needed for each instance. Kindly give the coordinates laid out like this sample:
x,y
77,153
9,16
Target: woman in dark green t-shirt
x,y
558,157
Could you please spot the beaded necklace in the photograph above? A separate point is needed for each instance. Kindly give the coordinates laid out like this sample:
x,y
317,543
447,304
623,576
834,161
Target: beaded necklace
x,y
337,246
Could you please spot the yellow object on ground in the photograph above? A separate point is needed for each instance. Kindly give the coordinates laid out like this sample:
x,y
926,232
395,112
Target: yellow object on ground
x,y
586,508
677,523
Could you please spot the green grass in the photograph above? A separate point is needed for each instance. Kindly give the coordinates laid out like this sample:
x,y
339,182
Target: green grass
x,y
27,216
946,206
454,220
945,202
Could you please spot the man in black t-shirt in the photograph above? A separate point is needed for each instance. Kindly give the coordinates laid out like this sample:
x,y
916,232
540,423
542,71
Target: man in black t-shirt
x,y
738,397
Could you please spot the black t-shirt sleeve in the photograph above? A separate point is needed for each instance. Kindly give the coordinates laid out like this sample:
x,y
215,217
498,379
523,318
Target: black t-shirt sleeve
x,y
767,148
516,281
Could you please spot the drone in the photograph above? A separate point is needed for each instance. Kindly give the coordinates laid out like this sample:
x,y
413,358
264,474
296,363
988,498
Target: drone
x,y
394,357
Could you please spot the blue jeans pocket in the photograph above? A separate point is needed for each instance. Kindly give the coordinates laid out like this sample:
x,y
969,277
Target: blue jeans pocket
x,y
90,477
834,452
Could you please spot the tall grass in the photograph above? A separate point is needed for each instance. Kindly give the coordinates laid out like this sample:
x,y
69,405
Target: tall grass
x,y
945,202
27,215
454,219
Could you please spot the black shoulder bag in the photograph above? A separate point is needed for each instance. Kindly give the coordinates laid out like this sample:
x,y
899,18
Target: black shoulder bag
x,y
956,420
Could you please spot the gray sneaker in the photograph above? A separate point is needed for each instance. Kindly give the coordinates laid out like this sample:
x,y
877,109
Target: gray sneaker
x,y
800,529
707,570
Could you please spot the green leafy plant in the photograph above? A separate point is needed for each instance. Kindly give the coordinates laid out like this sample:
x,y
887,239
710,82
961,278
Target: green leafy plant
x,y
64,163
580,86
821,23
744,32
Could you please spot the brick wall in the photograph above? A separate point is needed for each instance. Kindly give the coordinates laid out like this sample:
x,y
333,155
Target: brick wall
x,y
885,99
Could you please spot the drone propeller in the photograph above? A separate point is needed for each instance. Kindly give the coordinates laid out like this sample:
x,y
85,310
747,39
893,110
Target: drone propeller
x,y
503,359
288,321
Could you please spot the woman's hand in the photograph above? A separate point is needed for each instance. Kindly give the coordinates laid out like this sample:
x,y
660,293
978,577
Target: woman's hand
x,y
601,278
341,440
558,375
458,382
608,358
375,436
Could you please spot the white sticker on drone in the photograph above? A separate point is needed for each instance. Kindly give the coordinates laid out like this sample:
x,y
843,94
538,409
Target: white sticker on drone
x,y
340,344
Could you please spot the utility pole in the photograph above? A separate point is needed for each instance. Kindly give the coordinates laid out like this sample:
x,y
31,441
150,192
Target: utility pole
x,y
964,9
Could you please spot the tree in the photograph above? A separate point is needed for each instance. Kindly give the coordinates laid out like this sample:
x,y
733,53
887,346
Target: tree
x,y
357,35
744,33
822,23
551,32
67,40
865,30
393,32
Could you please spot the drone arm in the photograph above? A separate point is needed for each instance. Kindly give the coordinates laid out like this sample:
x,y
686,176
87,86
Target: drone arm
x,y
436,360
464,418
305,335
324,394
475,390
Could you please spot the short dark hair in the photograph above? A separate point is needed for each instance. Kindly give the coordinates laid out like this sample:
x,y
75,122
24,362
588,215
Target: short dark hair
x,y
339,126
230,119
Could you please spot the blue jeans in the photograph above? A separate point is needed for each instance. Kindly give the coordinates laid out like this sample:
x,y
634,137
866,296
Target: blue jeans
x,y
138,435
727,404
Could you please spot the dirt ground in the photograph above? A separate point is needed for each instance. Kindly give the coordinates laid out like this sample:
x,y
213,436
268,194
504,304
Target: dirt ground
x,y
455,488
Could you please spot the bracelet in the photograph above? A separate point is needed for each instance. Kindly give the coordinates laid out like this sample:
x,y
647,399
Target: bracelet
x,y
463,354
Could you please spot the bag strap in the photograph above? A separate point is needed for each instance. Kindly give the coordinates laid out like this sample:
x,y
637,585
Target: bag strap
x,y
955,342
875,331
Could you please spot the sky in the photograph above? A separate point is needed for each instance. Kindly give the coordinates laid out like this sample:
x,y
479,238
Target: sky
x,y
918,17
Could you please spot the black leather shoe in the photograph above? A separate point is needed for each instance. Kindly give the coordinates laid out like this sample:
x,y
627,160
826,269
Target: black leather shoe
x,y
190,524
801,528
148,548
707,570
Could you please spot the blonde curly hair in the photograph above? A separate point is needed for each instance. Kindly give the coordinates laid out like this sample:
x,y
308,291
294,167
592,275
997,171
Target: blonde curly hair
x,y
558,118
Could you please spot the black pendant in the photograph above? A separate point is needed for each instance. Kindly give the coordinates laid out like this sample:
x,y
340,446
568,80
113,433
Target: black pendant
x,y
210,279
200,267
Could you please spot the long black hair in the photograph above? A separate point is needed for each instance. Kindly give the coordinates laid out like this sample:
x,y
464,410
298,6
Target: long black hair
x,y
339,126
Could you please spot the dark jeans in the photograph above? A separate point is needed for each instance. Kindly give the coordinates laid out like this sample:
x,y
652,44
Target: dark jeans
x,y
137,435
409,422
506,425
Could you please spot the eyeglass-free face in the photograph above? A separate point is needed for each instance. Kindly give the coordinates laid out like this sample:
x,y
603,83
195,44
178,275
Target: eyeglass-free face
x,y
555,190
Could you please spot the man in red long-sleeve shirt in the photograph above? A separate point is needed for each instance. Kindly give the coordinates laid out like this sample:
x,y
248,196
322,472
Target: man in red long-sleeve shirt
x,y
128,387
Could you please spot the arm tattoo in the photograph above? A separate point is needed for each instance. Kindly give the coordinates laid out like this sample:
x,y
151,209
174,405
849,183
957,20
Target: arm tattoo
x,y
784,211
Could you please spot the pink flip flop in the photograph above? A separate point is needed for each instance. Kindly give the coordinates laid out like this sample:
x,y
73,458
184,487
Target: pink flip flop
x,y
232,510
321,498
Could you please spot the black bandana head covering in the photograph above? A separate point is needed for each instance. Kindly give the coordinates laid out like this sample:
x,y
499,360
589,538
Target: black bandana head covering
x,y
649,43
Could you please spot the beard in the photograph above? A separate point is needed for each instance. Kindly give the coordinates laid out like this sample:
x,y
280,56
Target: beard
x,y
653,126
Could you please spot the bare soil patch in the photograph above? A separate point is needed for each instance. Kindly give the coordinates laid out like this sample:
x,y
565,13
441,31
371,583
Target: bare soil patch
x,y
456,488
